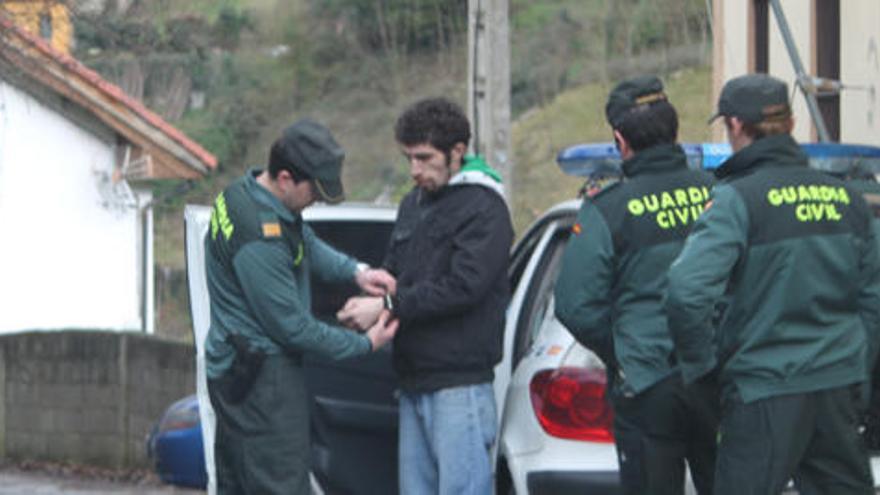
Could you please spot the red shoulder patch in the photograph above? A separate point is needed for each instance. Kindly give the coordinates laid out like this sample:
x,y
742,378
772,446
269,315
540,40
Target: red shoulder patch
x,y
576,229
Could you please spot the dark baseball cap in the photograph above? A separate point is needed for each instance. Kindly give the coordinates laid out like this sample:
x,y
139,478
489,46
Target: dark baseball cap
x,y
308,147
630,94
754,98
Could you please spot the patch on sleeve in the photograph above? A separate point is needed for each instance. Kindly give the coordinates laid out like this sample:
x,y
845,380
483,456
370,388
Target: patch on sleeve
x,y
576,229
271,229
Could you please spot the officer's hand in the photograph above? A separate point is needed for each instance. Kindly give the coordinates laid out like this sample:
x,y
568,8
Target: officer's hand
x,y
360,312
376,282
383,331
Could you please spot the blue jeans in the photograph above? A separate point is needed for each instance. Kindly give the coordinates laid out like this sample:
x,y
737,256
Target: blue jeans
x,y
446,440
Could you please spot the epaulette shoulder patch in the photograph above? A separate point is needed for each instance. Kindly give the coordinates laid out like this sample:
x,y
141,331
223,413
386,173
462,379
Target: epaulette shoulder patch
x,y
270,226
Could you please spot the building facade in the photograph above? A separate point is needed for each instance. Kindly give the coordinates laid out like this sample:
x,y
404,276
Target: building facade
x,y
836,39
77,157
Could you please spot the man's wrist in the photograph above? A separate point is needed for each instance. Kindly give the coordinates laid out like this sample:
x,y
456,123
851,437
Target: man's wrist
x,y
360,267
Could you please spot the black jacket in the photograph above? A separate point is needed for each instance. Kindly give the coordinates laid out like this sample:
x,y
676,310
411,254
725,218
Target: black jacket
x,y
449,251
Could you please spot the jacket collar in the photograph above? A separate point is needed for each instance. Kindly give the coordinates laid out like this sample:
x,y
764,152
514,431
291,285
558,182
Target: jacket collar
x,y
474,171
778,150
262,196
660,158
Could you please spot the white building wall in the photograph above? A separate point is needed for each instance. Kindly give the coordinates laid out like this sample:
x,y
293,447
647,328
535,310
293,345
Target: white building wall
x,y
860,66
69,256
736,30
800,22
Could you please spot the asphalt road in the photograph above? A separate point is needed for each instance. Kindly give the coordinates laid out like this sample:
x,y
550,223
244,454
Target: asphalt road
x,y
14,482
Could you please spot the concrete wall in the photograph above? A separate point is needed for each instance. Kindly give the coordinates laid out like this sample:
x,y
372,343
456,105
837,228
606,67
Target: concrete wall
x,y
85,396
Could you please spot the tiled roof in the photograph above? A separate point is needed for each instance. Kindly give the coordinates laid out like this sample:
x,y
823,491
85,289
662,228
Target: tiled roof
x,y
14,38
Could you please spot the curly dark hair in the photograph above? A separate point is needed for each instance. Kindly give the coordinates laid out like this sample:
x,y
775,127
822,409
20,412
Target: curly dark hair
x,y
436,121
645,126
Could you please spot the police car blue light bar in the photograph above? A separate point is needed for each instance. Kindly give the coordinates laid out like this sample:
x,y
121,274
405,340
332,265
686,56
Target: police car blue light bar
x,y
843,159
587,160
594,159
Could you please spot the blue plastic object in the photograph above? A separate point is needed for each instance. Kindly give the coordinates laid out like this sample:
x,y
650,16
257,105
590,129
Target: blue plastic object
x,y
588,160
178,452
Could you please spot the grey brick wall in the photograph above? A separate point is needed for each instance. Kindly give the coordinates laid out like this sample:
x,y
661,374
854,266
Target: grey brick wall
x,y
87,396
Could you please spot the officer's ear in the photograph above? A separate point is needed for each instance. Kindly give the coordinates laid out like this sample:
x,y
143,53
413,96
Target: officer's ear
x,y
623,146
284,178
736,134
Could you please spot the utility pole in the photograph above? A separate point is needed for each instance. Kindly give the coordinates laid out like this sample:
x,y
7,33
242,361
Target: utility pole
x,y
489,85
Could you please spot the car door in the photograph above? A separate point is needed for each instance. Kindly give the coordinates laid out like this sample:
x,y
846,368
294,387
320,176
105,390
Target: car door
x,y
352,405
525,265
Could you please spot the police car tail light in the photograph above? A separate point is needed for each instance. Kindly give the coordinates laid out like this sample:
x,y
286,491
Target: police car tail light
x,y
570,403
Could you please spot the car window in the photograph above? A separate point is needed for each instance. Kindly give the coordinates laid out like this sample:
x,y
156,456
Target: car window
x,y
364,240
539,293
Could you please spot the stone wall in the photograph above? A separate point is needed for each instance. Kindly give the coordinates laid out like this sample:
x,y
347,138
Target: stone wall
x,y
87,396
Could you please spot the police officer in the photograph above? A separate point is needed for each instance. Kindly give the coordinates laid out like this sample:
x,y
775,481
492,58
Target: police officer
x,y
259,255
611,286
792,251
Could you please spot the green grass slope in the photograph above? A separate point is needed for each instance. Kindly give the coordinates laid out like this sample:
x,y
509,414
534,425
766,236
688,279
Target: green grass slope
x,y
578,116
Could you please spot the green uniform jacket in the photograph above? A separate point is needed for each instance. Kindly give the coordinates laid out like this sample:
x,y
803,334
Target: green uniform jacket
x,y
613,278
258,256
792,251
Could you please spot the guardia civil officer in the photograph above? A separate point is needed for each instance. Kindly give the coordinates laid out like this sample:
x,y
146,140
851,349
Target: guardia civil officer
x,y
611,286
792,251
258,257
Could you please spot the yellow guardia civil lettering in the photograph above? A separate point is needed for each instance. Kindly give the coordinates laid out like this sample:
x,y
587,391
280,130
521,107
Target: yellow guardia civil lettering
x,y
812,202
220,219
673,208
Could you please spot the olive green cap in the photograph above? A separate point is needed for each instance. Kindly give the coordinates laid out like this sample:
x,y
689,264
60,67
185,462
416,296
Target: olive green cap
x,y
632,93
754,98
309,148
